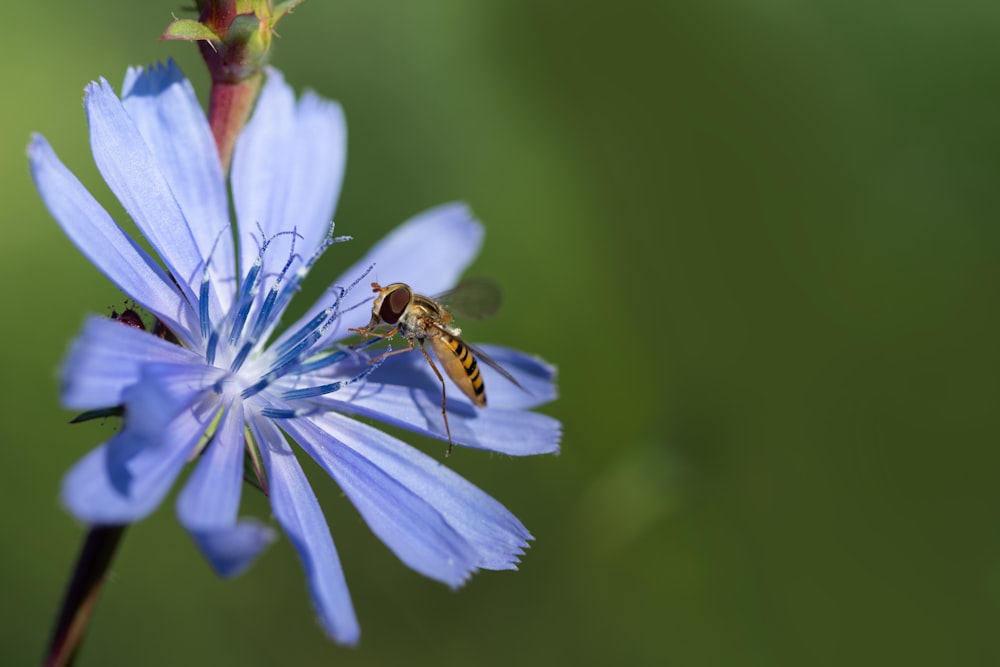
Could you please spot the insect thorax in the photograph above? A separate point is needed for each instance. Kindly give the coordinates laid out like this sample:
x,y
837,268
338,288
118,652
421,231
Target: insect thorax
x,y
421,322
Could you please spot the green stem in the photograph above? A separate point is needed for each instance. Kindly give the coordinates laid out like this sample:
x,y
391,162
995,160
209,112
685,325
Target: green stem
x,y
92,565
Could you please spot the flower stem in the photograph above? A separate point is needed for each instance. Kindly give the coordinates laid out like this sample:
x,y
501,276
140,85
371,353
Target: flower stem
x,y
229,107
234,64
81,596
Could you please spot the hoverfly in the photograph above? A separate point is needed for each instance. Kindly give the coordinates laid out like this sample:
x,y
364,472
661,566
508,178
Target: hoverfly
x,y
421,319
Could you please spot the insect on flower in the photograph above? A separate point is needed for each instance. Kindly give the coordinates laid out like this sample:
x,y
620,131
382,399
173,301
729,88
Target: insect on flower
x,y
213,377
419,318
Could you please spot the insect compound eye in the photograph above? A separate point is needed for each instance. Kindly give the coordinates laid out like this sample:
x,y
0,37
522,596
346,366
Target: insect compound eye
x,y
394,304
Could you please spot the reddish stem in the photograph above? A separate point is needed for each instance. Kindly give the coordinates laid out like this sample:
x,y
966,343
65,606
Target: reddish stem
x,y
228,110
235,82
92,566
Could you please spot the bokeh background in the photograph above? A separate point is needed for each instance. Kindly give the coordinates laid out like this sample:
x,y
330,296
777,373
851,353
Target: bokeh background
x,y
760,241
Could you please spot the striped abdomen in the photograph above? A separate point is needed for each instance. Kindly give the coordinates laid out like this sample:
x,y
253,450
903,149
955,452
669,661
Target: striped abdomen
x,y
460,365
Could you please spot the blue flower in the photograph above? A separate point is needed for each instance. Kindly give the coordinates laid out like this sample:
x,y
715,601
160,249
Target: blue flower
x,y
229,382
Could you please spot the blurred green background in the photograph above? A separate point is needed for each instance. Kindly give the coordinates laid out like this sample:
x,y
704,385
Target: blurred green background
x,y
760,241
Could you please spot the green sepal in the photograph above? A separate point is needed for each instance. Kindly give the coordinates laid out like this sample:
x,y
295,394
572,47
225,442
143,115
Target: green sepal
x,y
244,29
189,30
254,473
250,473
103,413
209,433
253,464
283,8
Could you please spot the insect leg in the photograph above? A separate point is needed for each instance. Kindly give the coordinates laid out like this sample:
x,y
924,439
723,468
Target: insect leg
x,y
369,332
444,400
390,353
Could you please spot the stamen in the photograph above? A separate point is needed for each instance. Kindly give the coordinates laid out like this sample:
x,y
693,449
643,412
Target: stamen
x,y
360,278
310,392
248,291
264,316
254,389
343,292
213,344
290,353
285,364
294,355
312,325
241,356
277,413
204,314
320,362
277,300
251,285
289,356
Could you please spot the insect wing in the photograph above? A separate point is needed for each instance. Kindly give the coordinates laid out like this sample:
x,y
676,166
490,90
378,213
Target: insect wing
x,y
486,359
472,299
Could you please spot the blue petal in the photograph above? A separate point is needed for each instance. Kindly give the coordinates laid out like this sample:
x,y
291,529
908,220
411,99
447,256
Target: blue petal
x,y
132,173
232,550
211,497
513,432
495,534
97,236
299,514
319,157
164,108
107,357
414,530
259,161
209,502
430,251
287,171
405,392
537,378
127,478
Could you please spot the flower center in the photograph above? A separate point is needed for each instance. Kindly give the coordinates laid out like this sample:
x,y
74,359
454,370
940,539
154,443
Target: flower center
x,y
296,368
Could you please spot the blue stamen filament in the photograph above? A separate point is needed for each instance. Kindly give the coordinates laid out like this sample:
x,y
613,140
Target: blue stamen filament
x,y
203,314
278,296
278,299
292,362
319,362
251,285
279,413
287,363
213,344
294,355
248,291
320,390
264,316
312,325
298,353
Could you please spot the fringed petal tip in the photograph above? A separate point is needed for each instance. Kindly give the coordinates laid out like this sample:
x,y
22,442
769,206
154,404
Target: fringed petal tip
x,y
153,78
489,561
